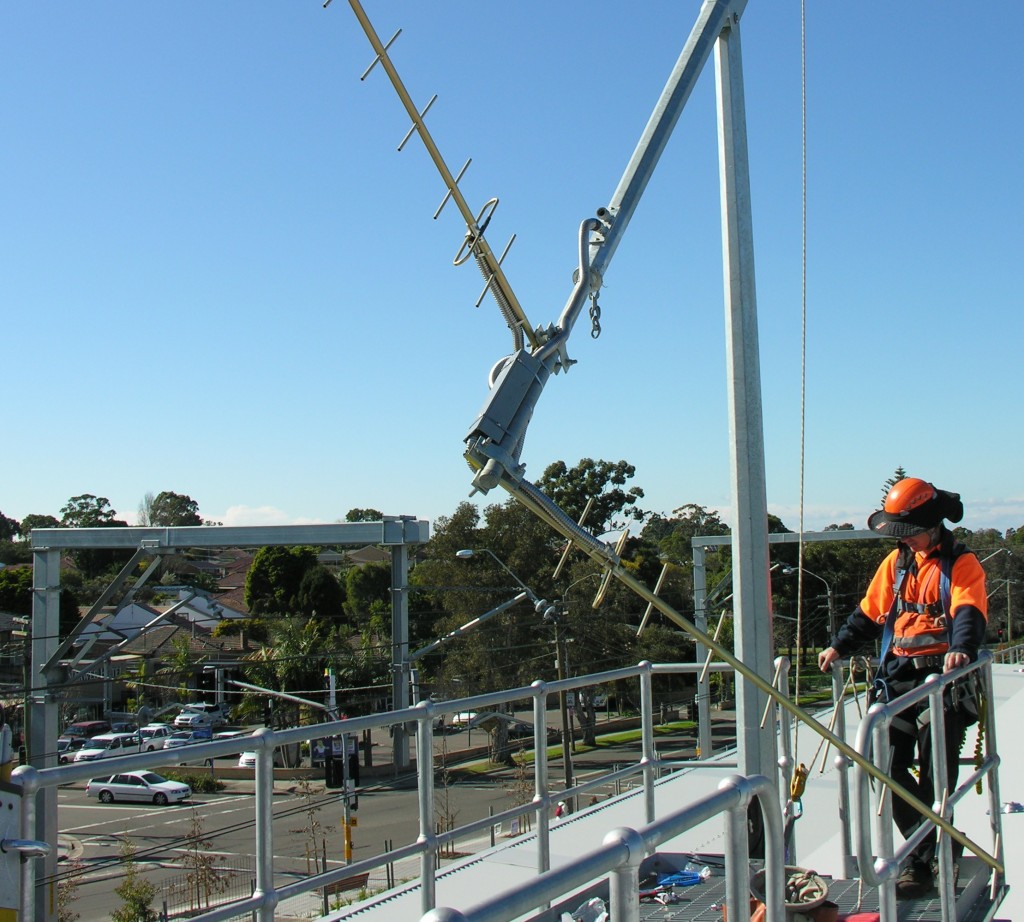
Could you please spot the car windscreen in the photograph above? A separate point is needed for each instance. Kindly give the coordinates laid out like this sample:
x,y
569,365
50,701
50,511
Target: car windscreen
x,y
152,778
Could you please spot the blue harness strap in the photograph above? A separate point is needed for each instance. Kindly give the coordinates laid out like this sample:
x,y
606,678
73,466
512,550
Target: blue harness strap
x,y
946,561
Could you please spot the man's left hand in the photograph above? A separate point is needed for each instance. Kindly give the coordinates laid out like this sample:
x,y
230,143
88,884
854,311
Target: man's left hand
x,y
955,661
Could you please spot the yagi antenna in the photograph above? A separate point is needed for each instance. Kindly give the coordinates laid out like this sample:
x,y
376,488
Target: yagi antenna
x,y
474,245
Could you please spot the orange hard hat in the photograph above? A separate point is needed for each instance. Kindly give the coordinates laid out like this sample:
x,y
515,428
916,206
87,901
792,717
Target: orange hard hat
x,y
913,506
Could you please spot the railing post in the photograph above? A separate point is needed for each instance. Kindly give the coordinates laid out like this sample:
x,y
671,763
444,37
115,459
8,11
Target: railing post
x,y
624,881
425,787
842,764
540,776
649,758
265,824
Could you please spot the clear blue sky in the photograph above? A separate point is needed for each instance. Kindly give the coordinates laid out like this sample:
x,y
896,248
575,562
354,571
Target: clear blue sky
x,y
220,278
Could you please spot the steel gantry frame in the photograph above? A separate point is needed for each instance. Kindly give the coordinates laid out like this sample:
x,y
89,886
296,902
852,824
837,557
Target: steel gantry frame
x,y
51,657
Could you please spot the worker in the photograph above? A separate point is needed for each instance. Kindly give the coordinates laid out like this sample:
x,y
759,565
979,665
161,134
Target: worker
x,y
927,602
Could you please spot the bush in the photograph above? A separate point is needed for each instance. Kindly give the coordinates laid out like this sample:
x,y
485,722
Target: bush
x,y
200,784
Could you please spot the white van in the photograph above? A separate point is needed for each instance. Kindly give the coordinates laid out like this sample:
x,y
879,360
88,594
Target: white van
x,y
108,745
202,715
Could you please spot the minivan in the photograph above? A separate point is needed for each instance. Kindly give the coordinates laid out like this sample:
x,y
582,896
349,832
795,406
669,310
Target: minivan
x,y
108,745
86,729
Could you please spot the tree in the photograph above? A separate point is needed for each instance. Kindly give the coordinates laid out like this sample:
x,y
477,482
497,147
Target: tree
x,y
364,515
136,892
602,481
368,600
898,475
37,521
9,528
275,577
16,597
89,511
169,509
321,595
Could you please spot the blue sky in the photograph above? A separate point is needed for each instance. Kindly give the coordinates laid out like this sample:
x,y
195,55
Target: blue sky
x,y
221,279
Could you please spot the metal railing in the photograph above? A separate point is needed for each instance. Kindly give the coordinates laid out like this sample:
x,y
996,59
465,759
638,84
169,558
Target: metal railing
x,y
878,858
619,855
430,842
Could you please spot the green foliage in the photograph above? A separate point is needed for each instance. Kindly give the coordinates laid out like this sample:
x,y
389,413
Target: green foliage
x,y
367,593
37,521
275,577
136,892
169,509
321,595
9,528
601,481
200,783
898,475
89,511
16,597
256,629
364,515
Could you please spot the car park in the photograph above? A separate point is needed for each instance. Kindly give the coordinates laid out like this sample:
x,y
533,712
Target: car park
x,y
148,787
154,735
108,745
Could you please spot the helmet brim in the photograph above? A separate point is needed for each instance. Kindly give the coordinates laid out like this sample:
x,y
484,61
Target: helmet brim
x,y
884,524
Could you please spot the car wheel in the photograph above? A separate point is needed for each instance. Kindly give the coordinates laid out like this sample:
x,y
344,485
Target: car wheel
x,y
106,797
160,799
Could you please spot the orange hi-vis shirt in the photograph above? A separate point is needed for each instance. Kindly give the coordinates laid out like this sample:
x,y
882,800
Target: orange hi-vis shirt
x,y
921,629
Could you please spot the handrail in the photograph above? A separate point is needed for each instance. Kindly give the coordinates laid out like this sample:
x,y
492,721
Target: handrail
x,y
873,745
622,850
266,896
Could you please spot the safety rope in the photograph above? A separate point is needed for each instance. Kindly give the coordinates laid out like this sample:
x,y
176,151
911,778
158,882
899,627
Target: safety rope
x,y
803,353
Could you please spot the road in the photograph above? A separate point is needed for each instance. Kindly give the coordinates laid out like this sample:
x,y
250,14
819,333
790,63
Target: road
x,y
307,826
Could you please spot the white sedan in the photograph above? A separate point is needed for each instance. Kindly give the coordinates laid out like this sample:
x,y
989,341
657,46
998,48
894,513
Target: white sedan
x,y
145,786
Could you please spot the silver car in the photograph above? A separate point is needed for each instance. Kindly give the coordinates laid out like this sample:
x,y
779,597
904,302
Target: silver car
x,y
139,786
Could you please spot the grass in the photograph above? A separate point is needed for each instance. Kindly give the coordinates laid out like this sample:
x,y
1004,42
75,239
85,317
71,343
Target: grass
x,y
604,741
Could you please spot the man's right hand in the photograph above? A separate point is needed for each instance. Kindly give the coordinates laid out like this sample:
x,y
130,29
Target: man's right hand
x,y
826,658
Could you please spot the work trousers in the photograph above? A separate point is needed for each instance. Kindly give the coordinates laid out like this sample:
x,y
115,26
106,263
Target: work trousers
x,y
910,736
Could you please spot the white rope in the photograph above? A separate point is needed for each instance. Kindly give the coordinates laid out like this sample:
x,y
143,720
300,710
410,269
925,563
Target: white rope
x,y
803,345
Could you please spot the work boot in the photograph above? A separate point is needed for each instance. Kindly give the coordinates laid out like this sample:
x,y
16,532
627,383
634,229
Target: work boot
x,y
935,871
915,881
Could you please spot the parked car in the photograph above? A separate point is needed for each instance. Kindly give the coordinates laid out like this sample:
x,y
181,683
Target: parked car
x,y
123,727
248,759
108,745
86,729
182,738
67,747
460,720
154,735
143,786
188,737
202,715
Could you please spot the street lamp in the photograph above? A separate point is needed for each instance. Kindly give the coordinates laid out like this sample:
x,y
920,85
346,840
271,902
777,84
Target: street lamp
x,y
789,571
555,615
468,552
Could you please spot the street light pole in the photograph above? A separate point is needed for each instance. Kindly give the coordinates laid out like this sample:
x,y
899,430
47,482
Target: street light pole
x,y
555,614
830,596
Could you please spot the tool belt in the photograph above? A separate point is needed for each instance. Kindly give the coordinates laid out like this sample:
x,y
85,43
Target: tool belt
x,y
927,663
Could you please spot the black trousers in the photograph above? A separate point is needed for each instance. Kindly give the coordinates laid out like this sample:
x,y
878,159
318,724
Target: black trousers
x,y
910,735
